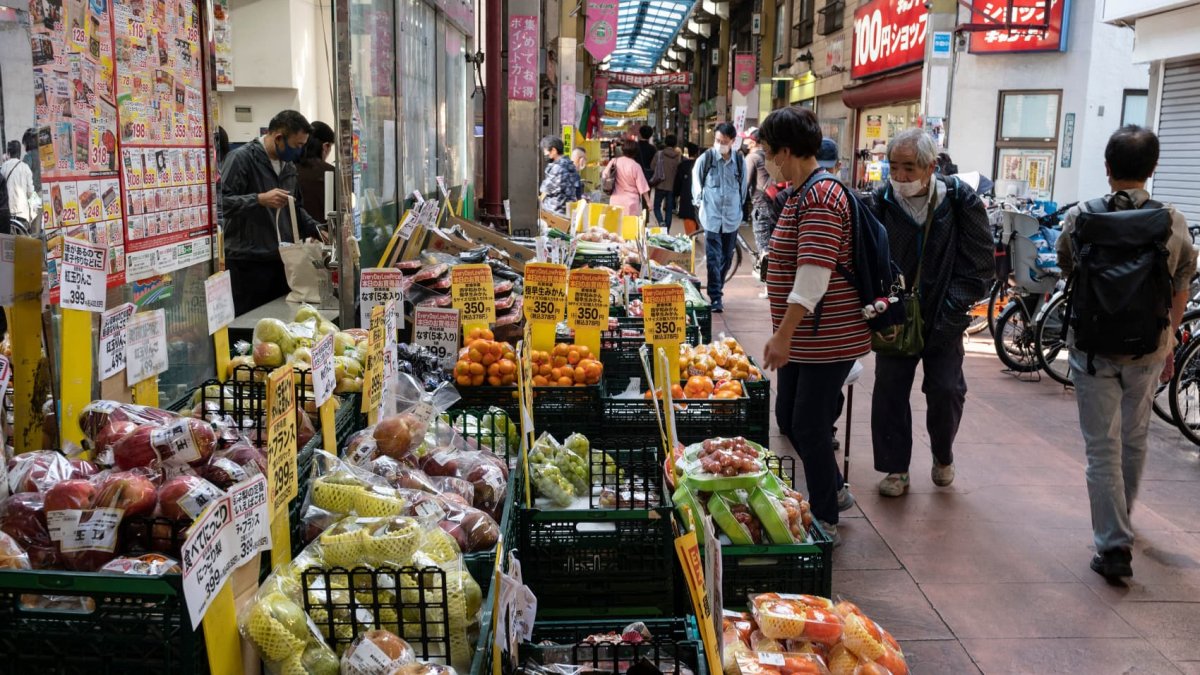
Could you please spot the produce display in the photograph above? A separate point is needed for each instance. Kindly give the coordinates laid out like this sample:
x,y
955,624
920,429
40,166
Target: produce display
x,y
680,243
801,634
634,648
429,286
276,343
567,365
721,360
563,474
484,361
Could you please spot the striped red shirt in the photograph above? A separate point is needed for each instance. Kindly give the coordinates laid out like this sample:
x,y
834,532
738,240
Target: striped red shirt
x,y
815,229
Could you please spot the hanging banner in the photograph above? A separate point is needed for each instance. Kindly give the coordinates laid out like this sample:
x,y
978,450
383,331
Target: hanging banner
x,y
743,74
523,69
1028,13
600,90
650,79
566,103
601,29
888,35
685,103
639,114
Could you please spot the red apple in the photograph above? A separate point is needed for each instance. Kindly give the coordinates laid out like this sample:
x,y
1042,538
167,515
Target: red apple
x,y
127,490
23,517
81,468
38,471
205,439
395,434
222,472
305,431
135,449
70,494
250,458
112,432
184,497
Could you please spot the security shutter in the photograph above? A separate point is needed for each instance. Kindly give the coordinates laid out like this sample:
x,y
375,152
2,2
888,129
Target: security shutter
x,y
1177,179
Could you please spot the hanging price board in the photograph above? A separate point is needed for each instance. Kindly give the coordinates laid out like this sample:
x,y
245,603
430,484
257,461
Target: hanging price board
x,y
665,315
587,301
83,275
379,286
282,472
473,294
373,371
218,300
145,346
323,374
545,292
112,339
437,329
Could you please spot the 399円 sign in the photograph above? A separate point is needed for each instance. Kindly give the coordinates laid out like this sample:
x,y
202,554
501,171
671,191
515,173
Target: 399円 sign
x,y
282,471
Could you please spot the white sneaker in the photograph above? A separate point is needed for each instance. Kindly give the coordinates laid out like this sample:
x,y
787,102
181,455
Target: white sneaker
x,y
894,485
845,500
763,294
942,474
831,531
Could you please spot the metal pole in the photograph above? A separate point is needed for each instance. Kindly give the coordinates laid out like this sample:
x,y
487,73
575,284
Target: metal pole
x,y
342,224
493,107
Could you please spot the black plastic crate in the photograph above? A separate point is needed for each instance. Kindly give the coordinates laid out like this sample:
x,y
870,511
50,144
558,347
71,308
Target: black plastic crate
x,y
107,624
783,568
674,644
560,411
695,420
611,260
699,314
758,427
622,545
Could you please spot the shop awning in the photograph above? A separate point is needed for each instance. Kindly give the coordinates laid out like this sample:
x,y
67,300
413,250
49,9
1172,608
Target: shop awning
x,y
905,86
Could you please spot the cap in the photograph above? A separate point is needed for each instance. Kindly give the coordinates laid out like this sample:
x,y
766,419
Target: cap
x,y
751,133
827,155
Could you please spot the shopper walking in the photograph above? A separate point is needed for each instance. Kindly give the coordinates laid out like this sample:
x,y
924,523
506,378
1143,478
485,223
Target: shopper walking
x,y
562,184
683,188
645,150
631,191
813,354
718,191
312,168
256,180
940,238
1130,261
31,157
662,179
24,202
757,180
579,158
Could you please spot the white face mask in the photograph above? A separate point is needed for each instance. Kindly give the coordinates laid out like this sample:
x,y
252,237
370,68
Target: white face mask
x,y
907,190
721,148
774,170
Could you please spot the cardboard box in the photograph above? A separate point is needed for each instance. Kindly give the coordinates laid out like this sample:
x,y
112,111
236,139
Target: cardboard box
x,y
665,256
486,235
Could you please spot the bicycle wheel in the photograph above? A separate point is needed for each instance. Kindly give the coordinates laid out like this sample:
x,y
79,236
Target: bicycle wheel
x,y
1001,294
1014,339
1184,392
1183,337
1050,341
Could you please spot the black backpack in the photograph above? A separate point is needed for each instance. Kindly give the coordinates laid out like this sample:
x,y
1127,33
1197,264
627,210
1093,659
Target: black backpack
x,y
739,165
1120,290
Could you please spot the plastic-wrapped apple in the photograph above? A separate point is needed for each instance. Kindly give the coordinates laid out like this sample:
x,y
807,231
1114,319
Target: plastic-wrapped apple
x,y
23,517
242,376
390,647
395,434
38,471
70,494
136,449
127,490
222,472
81,468
305,430
268,354
184,497
302,355
111,433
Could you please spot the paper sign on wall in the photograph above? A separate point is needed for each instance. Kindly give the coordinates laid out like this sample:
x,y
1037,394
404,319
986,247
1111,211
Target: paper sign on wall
x,y
145,346
112,339
83,275
218,296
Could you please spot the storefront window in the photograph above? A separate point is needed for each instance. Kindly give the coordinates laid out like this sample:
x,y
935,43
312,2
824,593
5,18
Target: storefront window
x,y
1133,108
780,30
1027,143
1029,115
876,127
453,112
418,93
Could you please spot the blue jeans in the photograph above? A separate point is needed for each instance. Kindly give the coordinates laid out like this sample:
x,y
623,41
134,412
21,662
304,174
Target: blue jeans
x,y
664,217
1114,417
718,251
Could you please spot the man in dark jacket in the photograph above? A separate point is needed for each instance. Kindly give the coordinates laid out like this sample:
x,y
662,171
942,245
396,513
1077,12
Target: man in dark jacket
x,y
939,226
646,150
256,181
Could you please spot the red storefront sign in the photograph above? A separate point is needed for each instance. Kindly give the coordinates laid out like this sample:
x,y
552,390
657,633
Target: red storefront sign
x,y
888,34
1025,13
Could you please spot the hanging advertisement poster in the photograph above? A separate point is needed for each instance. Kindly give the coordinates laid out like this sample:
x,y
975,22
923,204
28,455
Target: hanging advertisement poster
x,y
222,45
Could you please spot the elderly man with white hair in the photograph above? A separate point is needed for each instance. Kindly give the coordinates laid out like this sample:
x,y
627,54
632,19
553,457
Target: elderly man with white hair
x,y
940,238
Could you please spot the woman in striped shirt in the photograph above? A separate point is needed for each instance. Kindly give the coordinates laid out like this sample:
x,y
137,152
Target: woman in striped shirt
x,y
816,314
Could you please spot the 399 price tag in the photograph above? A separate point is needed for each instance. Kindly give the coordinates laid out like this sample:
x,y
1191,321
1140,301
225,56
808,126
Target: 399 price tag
x,y
665,316
545,292
437,329
587,301
83,275
282,471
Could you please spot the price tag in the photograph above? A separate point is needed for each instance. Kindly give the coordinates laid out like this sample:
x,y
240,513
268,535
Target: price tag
x,y
112,339
545,292
770,659
408,225
95,531
324,379
176,443
417,196
373,370
251,516
437,329
145,346
473,294
665,316
379,286
587,302
391,359
83,275
507,210
429,214
441,183
218,296
282,472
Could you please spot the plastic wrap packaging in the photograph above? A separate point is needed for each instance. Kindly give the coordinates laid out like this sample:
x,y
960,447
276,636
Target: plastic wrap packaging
x,y
797,617
376,652
38,471
419,668
149,565
780,663
12,556
282,633
23,518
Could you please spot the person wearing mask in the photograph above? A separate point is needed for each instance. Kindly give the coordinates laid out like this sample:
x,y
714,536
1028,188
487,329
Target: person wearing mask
x,y
562,184
631,191
718,191
646,150
666,167
24,203
256,181
312,167
1115,385
813,355
579,158
31,158
683,186
757,181
940,238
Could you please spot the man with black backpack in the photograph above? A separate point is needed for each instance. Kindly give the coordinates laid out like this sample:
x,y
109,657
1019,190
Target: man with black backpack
x,y
718,191
1129,260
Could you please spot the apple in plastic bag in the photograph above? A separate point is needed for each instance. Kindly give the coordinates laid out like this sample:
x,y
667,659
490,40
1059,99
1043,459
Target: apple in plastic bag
x,y
132,492
23,517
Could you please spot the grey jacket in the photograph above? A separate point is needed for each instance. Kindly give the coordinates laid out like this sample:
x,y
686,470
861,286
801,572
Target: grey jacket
x,y
246,173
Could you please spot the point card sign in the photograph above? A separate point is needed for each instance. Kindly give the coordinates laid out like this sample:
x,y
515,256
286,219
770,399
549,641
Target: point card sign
x,y
145,346
523,67
437,329
587,299
218,297
83,275
665,315
545,292
112,339
323,375
282,471
379,286
473,294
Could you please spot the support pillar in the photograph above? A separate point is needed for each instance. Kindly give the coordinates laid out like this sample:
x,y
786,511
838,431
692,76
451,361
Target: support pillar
x,y
521,151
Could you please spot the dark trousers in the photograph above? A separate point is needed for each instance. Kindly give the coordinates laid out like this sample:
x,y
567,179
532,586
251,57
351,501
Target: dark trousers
x,y
664,216
256,282
718,251
945,390
808,405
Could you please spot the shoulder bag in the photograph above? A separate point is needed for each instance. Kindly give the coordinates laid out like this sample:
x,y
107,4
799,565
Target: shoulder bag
x,y
908,338
303,262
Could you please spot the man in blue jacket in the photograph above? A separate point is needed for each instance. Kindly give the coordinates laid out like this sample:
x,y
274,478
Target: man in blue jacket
x,y
719,191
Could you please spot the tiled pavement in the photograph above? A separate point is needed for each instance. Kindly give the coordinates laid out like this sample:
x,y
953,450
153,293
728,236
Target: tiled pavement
x,y
991,575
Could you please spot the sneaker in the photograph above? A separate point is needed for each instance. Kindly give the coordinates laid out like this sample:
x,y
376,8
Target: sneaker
x,y
831,531
1113,564
894,485
942,474
763,294
845,500
718,309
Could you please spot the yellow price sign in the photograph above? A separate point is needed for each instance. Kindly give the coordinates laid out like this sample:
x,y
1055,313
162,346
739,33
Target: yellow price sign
x,y
665,315
373,372
282,472
587,301
545,292
473,294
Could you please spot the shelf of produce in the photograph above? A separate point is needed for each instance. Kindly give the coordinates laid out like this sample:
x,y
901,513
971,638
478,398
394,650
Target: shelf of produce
x,y
695,420
792,568
699,313
560,411
611,260
620,349
625,553
104,623
487,427
674,644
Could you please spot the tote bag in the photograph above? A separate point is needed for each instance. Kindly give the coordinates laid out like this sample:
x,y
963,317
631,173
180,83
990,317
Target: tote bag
x,y
303,262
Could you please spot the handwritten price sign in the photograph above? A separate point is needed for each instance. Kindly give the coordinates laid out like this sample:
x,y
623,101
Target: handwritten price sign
x,y
281,437
83,277
323,374
218,300
145,346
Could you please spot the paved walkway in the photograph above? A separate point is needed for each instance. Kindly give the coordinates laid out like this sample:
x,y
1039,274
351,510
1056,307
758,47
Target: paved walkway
x,y
991,574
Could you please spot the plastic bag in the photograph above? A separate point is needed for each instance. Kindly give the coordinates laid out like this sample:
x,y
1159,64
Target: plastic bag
x,y
12,556
282,633
375,652
23,517
797,617
38,471
84,517
779,663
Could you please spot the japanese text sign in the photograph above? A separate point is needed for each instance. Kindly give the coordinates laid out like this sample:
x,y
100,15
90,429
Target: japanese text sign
x,y
436,329
1030,13
650,79
323,373
545,292
218,299
83,277
112,339
473,294
145,346
379,286
888,34
282,471
665,316
523,67
587,301
373,368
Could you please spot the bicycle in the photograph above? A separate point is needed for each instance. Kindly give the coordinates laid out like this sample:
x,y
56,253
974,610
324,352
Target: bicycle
x,y
1015,332
742,249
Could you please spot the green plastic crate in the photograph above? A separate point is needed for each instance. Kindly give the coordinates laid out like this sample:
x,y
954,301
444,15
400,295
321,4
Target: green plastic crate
x,y
788,568
560,411
673,640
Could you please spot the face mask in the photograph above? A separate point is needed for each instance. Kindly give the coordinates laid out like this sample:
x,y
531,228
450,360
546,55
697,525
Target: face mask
x,y
288,153
774,170
721,148
907,190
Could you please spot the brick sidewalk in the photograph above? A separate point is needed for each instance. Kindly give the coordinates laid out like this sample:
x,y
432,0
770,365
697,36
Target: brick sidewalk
x,y
991,575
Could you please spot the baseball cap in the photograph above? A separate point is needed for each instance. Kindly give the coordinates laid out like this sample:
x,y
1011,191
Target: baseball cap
x,y
827,155
751,133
